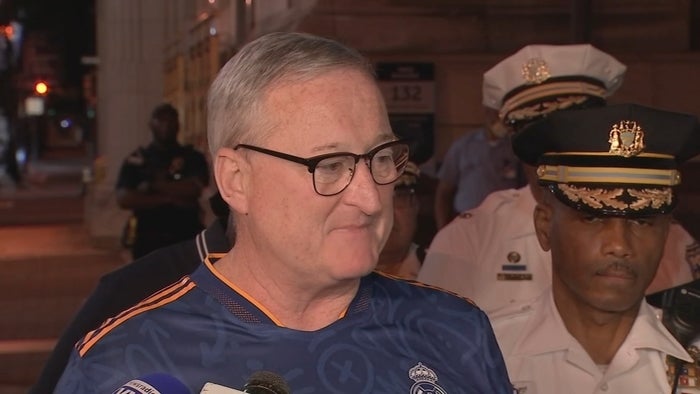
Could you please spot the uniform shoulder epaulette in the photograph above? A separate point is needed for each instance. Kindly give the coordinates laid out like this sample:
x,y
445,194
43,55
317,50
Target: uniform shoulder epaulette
x,y
491,203
513,310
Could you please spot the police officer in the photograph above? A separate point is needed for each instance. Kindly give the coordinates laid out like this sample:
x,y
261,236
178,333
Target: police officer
x,y
161,183
490,254
608,176
400,255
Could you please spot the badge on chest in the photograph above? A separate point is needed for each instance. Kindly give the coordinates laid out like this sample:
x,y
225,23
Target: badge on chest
x,y
514,269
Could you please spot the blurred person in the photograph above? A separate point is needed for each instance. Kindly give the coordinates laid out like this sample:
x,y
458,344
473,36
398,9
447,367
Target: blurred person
x,y
400,255
306,160
126,286
161,183
608,175
491,254
476,164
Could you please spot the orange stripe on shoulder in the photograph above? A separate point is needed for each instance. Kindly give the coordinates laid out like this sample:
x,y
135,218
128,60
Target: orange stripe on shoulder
x,y
163,297
427,286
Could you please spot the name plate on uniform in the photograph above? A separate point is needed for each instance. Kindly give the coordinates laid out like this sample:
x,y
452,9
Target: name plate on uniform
x,y
513,276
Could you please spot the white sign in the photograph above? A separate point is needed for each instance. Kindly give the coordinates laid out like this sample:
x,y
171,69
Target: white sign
x,y
34,106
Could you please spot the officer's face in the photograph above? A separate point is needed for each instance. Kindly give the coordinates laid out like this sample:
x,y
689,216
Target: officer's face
x,y
599,263
165,129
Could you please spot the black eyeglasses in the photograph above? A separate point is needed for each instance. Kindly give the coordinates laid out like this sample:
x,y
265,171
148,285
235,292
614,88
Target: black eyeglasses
x,y
332,172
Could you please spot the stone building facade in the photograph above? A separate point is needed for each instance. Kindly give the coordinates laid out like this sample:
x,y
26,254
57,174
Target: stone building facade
x,y
156,50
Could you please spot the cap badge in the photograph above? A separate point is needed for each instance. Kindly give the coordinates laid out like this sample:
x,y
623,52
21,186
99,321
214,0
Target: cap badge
x,y
626,139
535,71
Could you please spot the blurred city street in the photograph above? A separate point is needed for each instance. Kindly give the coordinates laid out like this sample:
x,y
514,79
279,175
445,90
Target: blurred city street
x,y
49,266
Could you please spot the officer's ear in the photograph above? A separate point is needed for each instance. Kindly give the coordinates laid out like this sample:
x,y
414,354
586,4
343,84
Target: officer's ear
x,y
231,170
542,217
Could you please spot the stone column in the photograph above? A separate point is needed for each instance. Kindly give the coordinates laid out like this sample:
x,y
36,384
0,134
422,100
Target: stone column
x,y
130,40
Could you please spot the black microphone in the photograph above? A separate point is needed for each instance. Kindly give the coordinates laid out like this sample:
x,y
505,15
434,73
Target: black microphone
x,y
155,383
681,311
261,382
681,316
266,382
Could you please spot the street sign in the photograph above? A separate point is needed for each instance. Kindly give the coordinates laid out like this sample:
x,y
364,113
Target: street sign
x,y
34,106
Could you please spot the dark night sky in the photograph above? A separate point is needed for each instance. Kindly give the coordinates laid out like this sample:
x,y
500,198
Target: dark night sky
x,y
71,27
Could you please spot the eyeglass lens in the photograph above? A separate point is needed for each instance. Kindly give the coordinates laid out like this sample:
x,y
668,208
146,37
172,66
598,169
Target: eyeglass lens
x,y
333,174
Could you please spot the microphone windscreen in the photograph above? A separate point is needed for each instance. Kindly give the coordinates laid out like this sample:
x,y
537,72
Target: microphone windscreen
x,y
155,383
266,382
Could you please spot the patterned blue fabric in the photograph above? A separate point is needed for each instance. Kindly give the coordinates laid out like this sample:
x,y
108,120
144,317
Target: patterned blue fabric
x,y
396,337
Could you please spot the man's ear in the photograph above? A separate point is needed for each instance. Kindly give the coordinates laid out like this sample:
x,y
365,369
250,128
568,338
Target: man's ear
x,y
231,172
542,217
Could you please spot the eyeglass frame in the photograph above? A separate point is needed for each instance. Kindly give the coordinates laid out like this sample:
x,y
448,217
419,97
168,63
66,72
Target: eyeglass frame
x,y
312,162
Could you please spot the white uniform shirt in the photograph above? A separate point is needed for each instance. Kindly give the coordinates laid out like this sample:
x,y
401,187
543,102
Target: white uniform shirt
x,y
491,254
543,358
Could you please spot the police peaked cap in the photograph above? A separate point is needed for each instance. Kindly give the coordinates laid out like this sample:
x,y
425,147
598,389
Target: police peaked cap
x,y
620,160
539,79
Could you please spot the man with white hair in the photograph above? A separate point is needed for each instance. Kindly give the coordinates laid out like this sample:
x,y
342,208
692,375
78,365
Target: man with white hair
x,y
305,158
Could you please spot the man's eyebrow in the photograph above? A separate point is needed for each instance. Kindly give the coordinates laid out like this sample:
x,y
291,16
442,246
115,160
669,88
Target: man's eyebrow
x,y
385,137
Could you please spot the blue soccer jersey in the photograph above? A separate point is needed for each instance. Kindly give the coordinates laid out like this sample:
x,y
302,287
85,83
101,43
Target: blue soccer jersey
x,y
395,337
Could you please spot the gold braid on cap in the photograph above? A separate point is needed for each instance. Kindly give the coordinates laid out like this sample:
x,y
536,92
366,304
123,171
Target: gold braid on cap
x,y
654,197
541,108
600,198
594,198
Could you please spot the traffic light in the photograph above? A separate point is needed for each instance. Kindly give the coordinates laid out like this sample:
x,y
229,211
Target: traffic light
x,y
41,88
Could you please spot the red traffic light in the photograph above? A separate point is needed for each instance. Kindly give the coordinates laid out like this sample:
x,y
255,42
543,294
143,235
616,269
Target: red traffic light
x,y
41,88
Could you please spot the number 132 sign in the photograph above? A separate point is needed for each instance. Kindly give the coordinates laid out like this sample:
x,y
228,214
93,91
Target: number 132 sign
x,y
408,88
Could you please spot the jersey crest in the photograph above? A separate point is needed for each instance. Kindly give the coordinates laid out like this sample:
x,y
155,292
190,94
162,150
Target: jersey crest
x,y
425,380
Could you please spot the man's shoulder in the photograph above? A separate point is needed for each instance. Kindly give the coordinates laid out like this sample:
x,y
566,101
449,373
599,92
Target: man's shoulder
x,y
509,322
180,258
494,203
425,296
514,313
476,136
169,304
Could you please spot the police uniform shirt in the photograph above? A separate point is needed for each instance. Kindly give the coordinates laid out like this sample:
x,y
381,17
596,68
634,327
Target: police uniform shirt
x,y
543,358
491,254
143,167
477,166
395,337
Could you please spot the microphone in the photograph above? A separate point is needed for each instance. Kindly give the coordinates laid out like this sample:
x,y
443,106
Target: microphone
x,y
155,383
261,382
681,311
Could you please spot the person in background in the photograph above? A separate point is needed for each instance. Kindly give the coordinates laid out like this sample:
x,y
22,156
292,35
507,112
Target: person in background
x,y
491,254
126,286
161,183
306,160
401,256
608,175
476,164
